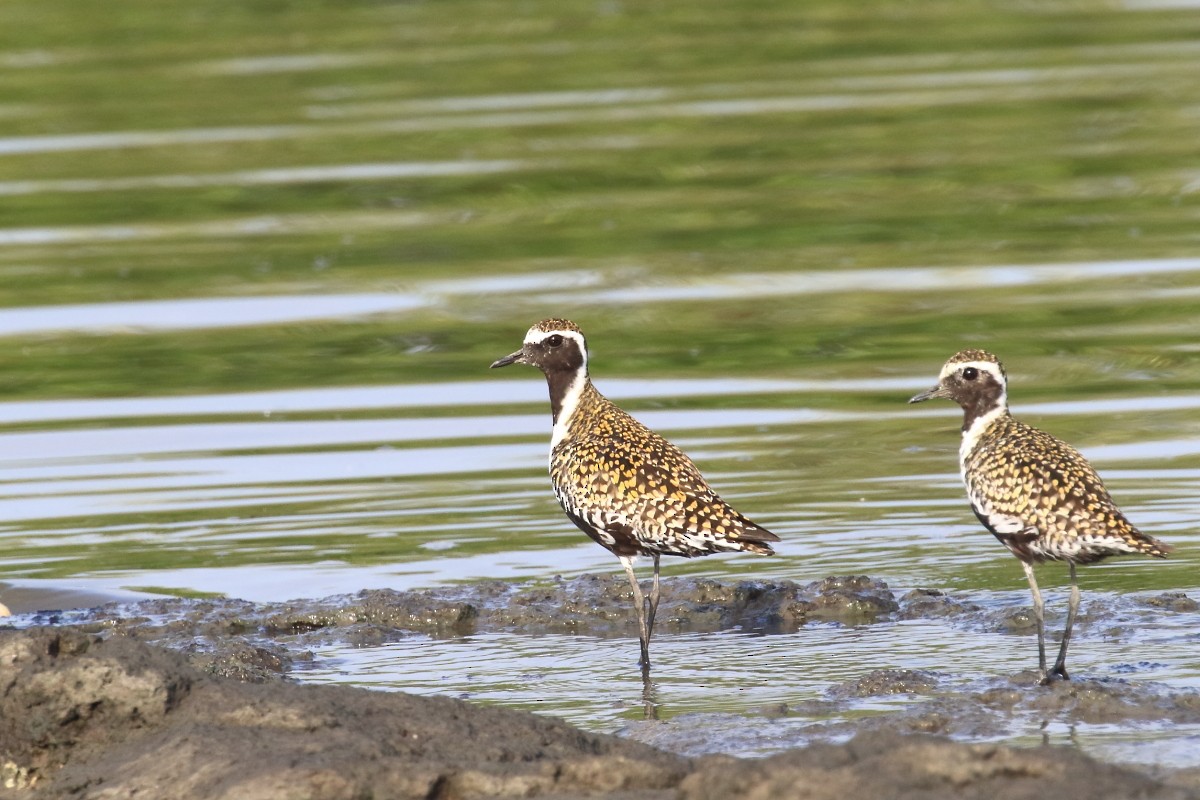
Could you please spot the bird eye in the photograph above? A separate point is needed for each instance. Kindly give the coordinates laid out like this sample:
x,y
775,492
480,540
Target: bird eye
x,y
970,373
555,340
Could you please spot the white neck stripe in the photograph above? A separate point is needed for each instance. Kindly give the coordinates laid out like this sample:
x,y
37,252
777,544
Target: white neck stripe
x,y
971,435
570,402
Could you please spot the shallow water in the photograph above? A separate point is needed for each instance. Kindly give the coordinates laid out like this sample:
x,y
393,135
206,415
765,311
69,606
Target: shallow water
x,y
253,272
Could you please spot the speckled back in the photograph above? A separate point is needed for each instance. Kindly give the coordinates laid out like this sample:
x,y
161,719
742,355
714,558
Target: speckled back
x,y
634,492
1043,500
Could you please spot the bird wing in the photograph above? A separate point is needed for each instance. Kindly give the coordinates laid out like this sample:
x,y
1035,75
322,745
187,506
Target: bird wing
x,y
1028,484
646,487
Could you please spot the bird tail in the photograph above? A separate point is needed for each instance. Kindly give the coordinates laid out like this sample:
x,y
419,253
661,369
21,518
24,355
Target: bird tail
x,y
754,539
1151,546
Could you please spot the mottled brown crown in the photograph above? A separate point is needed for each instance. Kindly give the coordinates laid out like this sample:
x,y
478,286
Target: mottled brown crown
x,y
555,324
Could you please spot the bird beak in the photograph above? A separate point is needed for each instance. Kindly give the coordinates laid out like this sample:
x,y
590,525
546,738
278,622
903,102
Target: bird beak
x,y
937,391
512,358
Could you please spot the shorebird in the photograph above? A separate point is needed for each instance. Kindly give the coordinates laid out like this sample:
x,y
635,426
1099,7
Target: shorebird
x,y
633,492
1035,493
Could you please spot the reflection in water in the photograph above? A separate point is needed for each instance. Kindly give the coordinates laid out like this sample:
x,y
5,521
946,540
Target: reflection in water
x,y
911,279
649,695
288,63
273,507
492,102
270,177
582,287
335,177
257,226
429,396
216,312
745,674
968,87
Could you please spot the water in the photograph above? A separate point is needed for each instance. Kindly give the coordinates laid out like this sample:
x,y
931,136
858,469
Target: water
x,y
253,272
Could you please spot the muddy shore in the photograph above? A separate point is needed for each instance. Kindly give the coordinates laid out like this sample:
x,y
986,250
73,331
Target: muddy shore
x,y
192,698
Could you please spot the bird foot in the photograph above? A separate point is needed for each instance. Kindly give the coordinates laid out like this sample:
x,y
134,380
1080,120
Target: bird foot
x,y
1047,678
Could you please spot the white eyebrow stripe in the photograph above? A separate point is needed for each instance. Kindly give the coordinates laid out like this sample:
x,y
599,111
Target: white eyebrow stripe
x,y
534,336
990,367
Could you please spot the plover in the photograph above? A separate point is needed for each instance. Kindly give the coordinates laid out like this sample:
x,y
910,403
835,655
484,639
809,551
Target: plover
x,y
1035,493
626,487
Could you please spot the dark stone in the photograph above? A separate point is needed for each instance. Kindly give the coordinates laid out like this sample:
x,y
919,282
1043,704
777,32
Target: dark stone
x,y
885,682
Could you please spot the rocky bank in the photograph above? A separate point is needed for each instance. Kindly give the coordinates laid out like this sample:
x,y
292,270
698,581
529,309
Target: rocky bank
x,y
190,699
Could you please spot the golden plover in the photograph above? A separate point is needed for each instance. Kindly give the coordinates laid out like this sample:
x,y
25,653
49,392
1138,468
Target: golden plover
x,y
1035,493
633,492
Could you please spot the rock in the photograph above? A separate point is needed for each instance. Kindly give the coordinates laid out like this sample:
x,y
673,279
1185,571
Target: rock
x,y
241,660
912,767
413,611
851,599
1172,601
1109,701
85,717
931,603
887,681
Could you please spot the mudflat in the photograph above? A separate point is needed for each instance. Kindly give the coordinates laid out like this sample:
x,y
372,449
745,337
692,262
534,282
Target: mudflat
x,y
193,699
85,716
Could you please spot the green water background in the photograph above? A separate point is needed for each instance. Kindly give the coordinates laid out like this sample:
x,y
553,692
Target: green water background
x,y
834,196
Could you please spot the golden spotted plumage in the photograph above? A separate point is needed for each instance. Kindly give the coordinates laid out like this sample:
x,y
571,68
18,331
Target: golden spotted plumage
x,y
635,493
1035,493
623,485
1021,478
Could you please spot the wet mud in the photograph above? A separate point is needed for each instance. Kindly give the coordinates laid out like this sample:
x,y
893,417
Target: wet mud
x,y
86,716
260,641
984,709
98,702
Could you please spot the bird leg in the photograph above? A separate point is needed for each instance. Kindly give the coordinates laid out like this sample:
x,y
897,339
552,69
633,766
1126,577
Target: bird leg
x,y
1060,664
641,603
652,607
1039,610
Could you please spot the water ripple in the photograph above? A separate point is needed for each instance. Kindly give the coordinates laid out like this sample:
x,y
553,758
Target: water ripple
x,y
268,177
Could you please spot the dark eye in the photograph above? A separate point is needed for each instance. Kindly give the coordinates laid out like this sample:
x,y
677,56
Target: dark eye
x,y
970,373
554,341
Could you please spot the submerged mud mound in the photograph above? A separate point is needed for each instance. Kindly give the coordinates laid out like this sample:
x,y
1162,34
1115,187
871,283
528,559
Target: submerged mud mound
x,y
85,717
991,707
900,702
264,641
260,642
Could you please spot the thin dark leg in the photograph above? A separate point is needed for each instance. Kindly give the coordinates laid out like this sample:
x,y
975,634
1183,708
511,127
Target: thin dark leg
x,y
639,602
1039,614
652,609
649,700
1060,664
